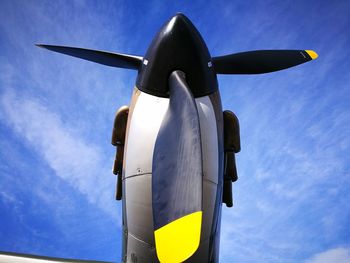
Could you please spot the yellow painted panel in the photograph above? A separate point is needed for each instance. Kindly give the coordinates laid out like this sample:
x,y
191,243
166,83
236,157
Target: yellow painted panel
x,y
178,240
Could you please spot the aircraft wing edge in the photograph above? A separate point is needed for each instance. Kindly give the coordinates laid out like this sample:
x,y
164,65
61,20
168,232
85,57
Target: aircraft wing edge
x,y
12,257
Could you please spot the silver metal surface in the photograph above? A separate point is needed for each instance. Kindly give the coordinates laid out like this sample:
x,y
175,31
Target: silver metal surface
x,y
146,119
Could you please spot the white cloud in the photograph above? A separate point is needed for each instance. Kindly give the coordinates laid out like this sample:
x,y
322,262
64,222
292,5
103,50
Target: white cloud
x,y
336,255
7,197
71,157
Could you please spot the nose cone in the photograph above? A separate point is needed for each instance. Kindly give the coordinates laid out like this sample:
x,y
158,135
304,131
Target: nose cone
x,y
177,46
178,23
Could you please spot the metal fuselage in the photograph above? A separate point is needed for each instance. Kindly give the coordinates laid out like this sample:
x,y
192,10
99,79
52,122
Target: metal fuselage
x,y
178,46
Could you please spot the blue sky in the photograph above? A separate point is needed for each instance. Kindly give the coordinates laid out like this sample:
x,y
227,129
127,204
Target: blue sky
x,y
56,114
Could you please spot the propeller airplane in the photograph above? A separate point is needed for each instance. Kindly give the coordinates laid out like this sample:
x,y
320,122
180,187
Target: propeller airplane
x,y
175,146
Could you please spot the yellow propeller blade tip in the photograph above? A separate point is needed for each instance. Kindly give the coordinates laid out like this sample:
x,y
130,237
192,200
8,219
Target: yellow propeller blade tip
x,y
178,240
312,54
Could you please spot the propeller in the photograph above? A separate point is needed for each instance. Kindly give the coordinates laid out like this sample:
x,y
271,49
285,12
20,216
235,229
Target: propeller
x,y
111,59
261,61
177,176
250,62
177,168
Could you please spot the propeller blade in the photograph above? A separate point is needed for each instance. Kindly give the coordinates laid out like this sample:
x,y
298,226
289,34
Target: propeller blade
x,y
177,176
111,59
261,61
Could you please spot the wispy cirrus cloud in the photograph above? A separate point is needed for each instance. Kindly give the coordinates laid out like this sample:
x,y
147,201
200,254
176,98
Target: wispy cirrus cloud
x,y
335,255
71,157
